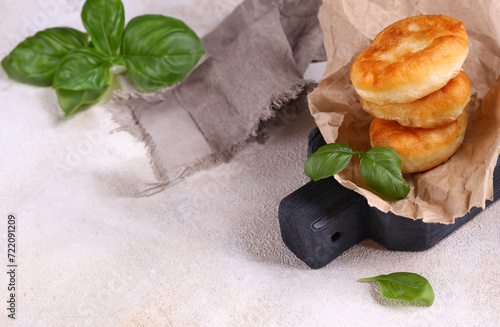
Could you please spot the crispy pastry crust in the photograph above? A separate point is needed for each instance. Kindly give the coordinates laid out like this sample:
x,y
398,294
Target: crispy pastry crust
x,y
436,109
410,59
420,149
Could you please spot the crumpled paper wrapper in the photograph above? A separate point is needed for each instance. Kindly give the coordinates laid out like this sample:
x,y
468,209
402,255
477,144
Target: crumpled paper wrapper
x,y
465,181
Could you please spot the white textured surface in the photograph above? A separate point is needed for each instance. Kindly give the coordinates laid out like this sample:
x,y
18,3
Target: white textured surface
x,y
205,252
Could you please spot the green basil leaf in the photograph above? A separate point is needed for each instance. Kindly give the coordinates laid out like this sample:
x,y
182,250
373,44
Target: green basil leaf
x,y
381,169
83,69
159,51
35,60
328,160
72,101
104,20
404,286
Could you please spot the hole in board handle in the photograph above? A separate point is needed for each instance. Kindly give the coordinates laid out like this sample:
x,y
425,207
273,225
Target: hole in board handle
x,y
336,236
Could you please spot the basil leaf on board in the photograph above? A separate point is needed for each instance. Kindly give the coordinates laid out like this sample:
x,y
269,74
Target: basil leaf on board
x,y
83,69
34,60
404,286
71,101
104,20
159,51
381,169
328,160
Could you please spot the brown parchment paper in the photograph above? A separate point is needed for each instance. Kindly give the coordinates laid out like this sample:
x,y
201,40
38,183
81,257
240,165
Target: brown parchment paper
x,y
450,190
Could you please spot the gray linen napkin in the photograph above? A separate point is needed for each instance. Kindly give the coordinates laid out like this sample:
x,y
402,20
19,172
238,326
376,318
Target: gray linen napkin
x,y
251,75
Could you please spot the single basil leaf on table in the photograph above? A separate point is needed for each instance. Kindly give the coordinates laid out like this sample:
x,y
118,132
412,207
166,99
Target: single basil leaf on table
x,y
34,60
104,20
328,160
404,286
72,101
381,169
83,69
159,51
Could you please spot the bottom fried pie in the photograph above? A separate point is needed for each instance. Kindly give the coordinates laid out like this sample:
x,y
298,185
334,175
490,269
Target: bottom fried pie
x,y
420,149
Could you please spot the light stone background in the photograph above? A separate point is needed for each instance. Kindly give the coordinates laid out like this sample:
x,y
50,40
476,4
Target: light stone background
x,y
205,252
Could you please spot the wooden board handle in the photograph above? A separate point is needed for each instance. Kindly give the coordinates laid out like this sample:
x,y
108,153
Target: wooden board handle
x,y
321,220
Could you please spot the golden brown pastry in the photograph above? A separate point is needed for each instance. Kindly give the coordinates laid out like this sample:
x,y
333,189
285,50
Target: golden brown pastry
x,y
410,59
436,109
420,149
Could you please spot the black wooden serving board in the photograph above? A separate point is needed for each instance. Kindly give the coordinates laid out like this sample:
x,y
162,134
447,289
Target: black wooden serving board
x,y
322,219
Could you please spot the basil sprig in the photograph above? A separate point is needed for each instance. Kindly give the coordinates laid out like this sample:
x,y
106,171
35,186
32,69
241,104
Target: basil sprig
x,y
379,166
156,50
404,286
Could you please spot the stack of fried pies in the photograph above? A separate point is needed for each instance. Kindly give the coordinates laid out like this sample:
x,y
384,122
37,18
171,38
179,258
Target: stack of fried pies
x,y
410,79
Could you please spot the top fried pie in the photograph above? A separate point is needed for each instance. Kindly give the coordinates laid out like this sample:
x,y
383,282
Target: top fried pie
x,y
410,59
